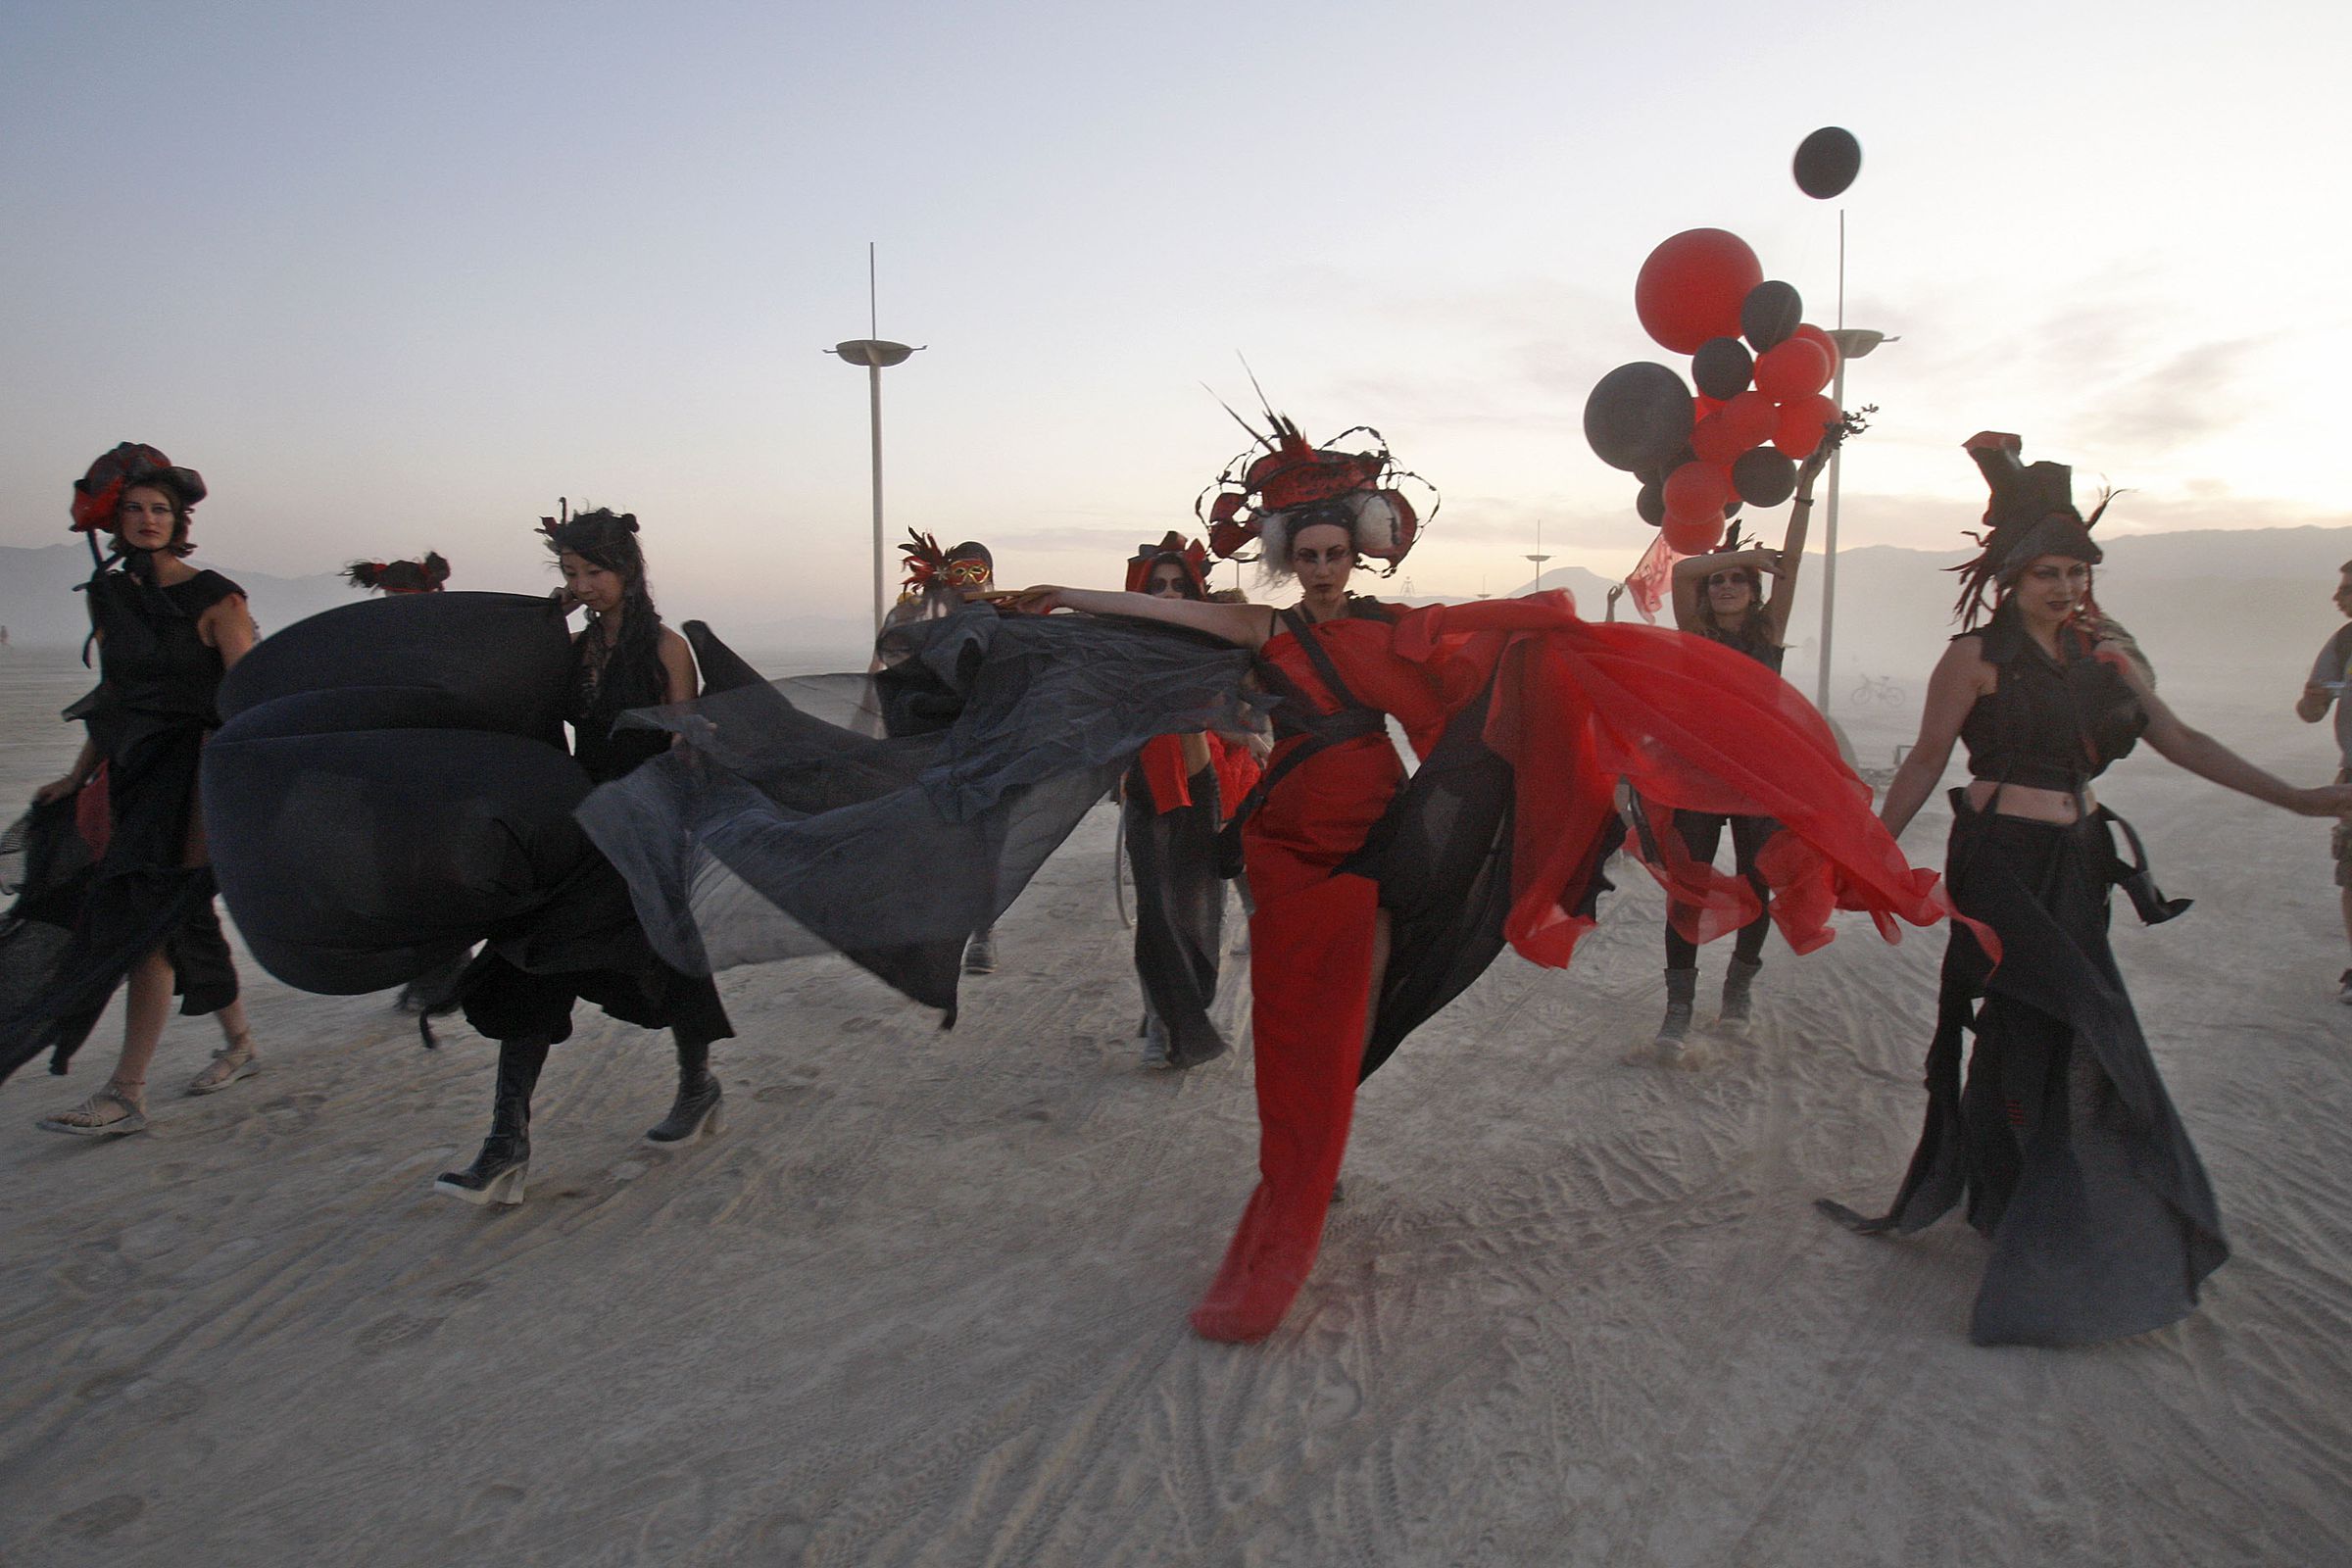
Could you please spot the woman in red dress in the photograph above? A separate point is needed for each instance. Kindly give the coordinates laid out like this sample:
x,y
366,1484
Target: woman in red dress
x,y
1380,898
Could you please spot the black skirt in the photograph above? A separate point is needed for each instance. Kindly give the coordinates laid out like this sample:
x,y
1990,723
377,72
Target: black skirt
x,y
2061,1140
1179,912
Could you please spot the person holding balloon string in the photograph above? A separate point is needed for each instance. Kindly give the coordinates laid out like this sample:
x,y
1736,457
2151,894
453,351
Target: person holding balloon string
x,y
1720,595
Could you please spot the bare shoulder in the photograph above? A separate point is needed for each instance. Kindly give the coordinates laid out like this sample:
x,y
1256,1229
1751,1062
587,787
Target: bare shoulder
x,y
1964,660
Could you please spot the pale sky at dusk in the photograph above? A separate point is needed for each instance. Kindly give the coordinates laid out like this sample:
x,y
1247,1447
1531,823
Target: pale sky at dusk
x,y
397,276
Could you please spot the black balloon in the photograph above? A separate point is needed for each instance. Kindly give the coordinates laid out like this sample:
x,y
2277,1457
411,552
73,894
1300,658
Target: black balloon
x,y
1651,503
1764,477
1827,161
1721,368
1637,413
1770,315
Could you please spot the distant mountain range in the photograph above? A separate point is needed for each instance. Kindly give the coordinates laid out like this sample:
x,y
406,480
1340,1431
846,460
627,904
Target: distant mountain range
x,y
2254,601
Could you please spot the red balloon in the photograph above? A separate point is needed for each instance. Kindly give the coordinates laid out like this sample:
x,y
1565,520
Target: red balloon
x,y
1697,492
1829,345
1693,285
1801,423
1715,440
1754,419
1702,405
1691,536
1792,369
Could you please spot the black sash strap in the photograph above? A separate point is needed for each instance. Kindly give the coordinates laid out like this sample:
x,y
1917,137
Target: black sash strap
x,y
1319,731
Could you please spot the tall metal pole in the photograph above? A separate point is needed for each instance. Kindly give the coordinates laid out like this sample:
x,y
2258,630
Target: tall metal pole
x,y
1828,545
1829,568
873,385
877,355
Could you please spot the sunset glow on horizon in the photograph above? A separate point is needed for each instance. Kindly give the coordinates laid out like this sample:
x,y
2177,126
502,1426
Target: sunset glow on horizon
x,y
398,277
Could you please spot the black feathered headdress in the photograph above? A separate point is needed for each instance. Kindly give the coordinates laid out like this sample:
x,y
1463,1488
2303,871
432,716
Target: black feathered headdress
x,y
2030,514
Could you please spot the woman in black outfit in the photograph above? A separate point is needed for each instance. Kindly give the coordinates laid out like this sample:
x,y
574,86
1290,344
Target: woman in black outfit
x,y
623,658
165,633
1177,794
2062,1141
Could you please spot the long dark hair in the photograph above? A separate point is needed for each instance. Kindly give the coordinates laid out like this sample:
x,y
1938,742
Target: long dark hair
x,y
607,539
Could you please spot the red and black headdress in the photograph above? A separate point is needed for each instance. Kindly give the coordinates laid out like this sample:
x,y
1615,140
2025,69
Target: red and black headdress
x,y
98,494
1282,484
1188,553
424,576
2030,514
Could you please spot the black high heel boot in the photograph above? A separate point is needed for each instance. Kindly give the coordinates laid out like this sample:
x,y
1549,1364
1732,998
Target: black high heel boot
x,y
497,1173
696,1109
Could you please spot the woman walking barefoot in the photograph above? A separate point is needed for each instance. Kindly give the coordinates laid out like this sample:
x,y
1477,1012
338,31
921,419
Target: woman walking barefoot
x,y
165,633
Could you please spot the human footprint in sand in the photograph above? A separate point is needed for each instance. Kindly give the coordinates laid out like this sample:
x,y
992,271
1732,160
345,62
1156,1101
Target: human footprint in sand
x,y
165,633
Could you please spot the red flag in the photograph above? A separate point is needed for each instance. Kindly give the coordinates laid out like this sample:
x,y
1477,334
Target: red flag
x,y
1653,578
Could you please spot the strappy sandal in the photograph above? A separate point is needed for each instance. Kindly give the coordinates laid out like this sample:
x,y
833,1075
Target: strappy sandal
x,y
232,1061
108,1112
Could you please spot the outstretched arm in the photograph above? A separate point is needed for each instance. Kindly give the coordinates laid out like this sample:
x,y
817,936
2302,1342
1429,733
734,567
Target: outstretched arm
x,y
1782,602
1247,625
1961,677
2209,759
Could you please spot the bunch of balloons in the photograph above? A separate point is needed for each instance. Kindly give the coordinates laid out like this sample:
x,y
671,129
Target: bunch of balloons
x,y
1759,410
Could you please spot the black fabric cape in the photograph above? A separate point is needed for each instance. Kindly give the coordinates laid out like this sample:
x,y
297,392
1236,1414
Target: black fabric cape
x,y
2061,1140
890,816
1179,912
391,787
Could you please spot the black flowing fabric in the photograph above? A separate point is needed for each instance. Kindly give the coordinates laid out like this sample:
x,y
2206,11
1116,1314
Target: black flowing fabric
x,y
890,816
1441,855
1179,912
391,788
148,717
2062,1139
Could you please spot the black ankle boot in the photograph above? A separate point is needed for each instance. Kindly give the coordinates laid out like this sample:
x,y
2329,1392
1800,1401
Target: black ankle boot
x,y
696,1109
497,1173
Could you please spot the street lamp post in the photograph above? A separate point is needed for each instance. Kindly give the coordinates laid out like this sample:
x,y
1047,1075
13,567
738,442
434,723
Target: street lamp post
x,y
876,354
1853,343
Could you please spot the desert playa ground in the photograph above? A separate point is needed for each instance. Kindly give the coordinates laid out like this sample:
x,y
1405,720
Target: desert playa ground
x,y
923,1301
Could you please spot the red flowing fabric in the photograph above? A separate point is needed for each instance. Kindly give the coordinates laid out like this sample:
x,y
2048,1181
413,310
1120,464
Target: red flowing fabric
x,y
1238,773
1692,725
1577,705
1162,762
